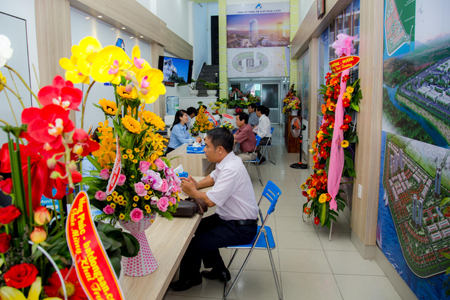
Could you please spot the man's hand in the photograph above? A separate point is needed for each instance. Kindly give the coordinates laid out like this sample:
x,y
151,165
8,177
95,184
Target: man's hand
x,y
198,139
188,187
190,178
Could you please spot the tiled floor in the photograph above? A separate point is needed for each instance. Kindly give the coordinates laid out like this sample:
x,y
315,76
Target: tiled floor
x,y
308,264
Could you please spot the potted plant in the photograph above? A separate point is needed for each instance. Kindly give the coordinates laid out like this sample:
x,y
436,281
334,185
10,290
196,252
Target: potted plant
x,y
210,87
193,85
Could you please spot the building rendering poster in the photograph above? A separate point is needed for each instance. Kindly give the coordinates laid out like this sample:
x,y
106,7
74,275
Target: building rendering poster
x,y
413,227
257,40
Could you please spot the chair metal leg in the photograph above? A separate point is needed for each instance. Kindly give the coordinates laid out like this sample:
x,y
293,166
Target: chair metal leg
x,y
232,258
274,270
259,173
331,230
227,293
269,156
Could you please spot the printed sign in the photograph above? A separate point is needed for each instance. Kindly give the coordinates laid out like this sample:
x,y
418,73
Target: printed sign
x,y
115,173
343,63
227,116
211,116
94,270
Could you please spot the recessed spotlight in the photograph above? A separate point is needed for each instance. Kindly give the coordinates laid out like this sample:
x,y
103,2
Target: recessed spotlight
x,y
141,36
123,28
112,28
100,17
131,37
87,18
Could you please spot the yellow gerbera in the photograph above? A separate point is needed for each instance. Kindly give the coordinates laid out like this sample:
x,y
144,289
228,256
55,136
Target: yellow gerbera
x,y
122,91
147,207
113,205
121,216
323,198
109,198
136,150
147,186
129,151
134,205
350,89
109,107
120,198
152,119
135,161
132,124
344,144
125,156
136,198
115,193
146,197
131,156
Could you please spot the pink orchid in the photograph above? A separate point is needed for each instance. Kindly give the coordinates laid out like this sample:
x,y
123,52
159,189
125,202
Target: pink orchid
x,y
344,44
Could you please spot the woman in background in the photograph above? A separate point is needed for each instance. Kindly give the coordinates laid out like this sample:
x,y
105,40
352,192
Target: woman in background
x,y
179,132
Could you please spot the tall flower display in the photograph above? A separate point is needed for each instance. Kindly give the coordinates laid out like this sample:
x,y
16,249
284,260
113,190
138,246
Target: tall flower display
x,y
291,102
335,135
201,124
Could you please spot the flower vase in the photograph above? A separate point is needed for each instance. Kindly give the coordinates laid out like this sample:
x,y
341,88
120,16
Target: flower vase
x,y
294,112
144,262
202,135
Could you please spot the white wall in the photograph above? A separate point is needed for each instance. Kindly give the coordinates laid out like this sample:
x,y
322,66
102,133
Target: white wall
x,y
303,8
17,22
83,25
201,31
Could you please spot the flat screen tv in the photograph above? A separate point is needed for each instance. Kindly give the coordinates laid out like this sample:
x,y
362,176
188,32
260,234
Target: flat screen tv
x,y
175,70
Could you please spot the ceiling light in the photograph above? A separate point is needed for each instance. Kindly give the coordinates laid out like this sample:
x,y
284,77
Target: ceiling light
x,y
131,37
123,28
100,17
141,36
87,18
112,28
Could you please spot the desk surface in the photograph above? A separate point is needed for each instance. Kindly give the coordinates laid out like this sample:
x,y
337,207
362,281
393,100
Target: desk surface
x,y
182,150
168,241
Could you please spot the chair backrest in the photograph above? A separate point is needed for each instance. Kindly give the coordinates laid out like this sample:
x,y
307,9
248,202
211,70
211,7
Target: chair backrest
x,y
271,192
271,130
258,139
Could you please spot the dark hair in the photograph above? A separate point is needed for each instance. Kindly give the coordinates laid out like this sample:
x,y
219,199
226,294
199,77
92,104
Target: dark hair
x,y
204,106
263,109
191,110
178,115
221,137
243,117
267,112
252,105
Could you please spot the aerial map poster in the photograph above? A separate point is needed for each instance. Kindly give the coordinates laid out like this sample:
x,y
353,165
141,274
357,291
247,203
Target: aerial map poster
x,y
257,39
413,226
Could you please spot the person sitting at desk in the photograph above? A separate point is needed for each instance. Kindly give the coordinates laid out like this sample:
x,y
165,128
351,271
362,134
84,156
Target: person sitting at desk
x,y
245,137
179,132
235,219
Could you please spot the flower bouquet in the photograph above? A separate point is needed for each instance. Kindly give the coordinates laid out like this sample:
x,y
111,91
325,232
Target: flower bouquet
x,y
146,185
41,156
322,188
201,124
227,125
291,102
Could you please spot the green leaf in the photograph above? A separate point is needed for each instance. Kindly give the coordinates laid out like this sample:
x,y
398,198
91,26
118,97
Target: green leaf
x,y
323,213
107,242
446,255
116,263
354,106
88,180
348,162
131,247
352,173
94,162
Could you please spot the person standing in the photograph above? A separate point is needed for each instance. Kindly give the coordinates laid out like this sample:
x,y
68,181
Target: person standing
x,y
253,119
245,137
179,132
235,219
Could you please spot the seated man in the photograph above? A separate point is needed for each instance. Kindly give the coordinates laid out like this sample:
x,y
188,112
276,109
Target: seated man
x,y
245,137
263,129
192,113
235,220
253,119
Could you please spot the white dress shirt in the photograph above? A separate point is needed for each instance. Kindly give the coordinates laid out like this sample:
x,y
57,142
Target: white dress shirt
x,y
264,128
233,190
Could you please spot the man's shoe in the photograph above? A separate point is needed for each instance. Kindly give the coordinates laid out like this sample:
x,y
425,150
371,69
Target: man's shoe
x,y
223,275
262,160
182,285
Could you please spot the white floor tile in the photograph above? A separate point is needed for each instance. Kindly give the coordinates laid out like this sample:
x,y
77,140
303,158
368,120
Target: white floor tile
x,y
351,263
297,286
355,287
298,240
303,261
293,224
254,285
288,211
259,260
340,241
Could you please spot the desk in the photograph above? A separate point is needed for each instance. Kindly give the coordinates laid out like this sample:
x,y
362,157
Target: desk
x,y
194,164
168,241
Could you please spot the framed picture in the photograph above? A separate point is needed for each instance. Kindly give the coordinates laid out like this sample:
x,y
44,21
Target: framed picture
x,y
320,8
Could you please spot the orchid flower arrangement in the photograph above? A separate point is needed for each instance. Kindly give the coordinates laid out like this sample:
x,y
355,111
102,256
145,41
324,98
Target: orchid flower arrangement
x,y
291,102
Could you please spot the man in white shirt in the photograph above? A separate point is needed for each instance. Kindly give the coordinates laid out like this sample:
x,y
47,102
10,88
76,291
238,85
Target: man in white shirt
x,y
264,129
235,218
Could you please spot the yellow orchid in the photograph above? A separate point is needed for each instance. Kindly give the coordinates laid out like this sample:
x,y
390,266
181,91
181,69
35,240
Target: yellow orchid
x,y
139,64
77,67
3,81
150,85
73,73
10,293
108,64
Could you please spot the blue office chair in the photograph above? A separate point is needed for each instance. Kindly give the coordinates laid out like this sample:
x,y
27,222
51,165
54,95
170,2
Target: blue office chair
x,y
272,193
268,144
256,160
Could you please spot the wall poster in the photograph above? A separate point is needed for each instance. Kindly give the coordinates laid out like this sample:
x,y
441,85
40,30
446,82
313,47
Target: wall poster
x,y
413,227
257,40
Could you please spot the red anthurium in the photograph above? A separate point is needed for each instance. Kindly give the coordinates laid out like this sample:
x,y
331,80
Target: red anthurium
x,y
82,144
61,93
47,124
6,186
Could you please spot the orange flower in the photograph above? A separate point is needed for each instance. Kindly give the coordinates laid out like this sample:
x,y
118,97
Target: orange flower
x,y
307,210
346,102
332,107
324,109
312,192
347,119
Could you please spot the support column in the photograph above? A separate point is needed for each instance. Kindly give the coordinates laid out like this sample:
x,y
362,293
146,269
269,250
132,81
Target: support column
x,y
223,70
293,27
159,106
313,96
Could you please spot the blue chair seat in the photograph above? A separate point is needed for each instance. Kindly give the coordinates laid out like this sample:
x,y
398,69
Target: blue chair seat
x,y
261,243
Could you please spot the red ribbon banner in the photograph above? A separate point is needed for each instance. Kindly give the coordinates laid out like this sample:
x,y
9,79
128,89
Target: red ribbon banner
x,y
228,116
212,117
115,173
344,63
94,270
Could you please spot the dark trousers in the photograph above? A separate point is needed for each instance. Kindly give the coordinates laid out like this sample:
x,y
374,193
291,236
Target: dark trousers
x,y
169,149
213,233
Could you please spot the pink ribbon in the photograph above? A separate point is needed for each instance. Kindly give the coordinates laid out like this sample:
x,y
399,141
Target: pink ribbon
x,y
343,45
